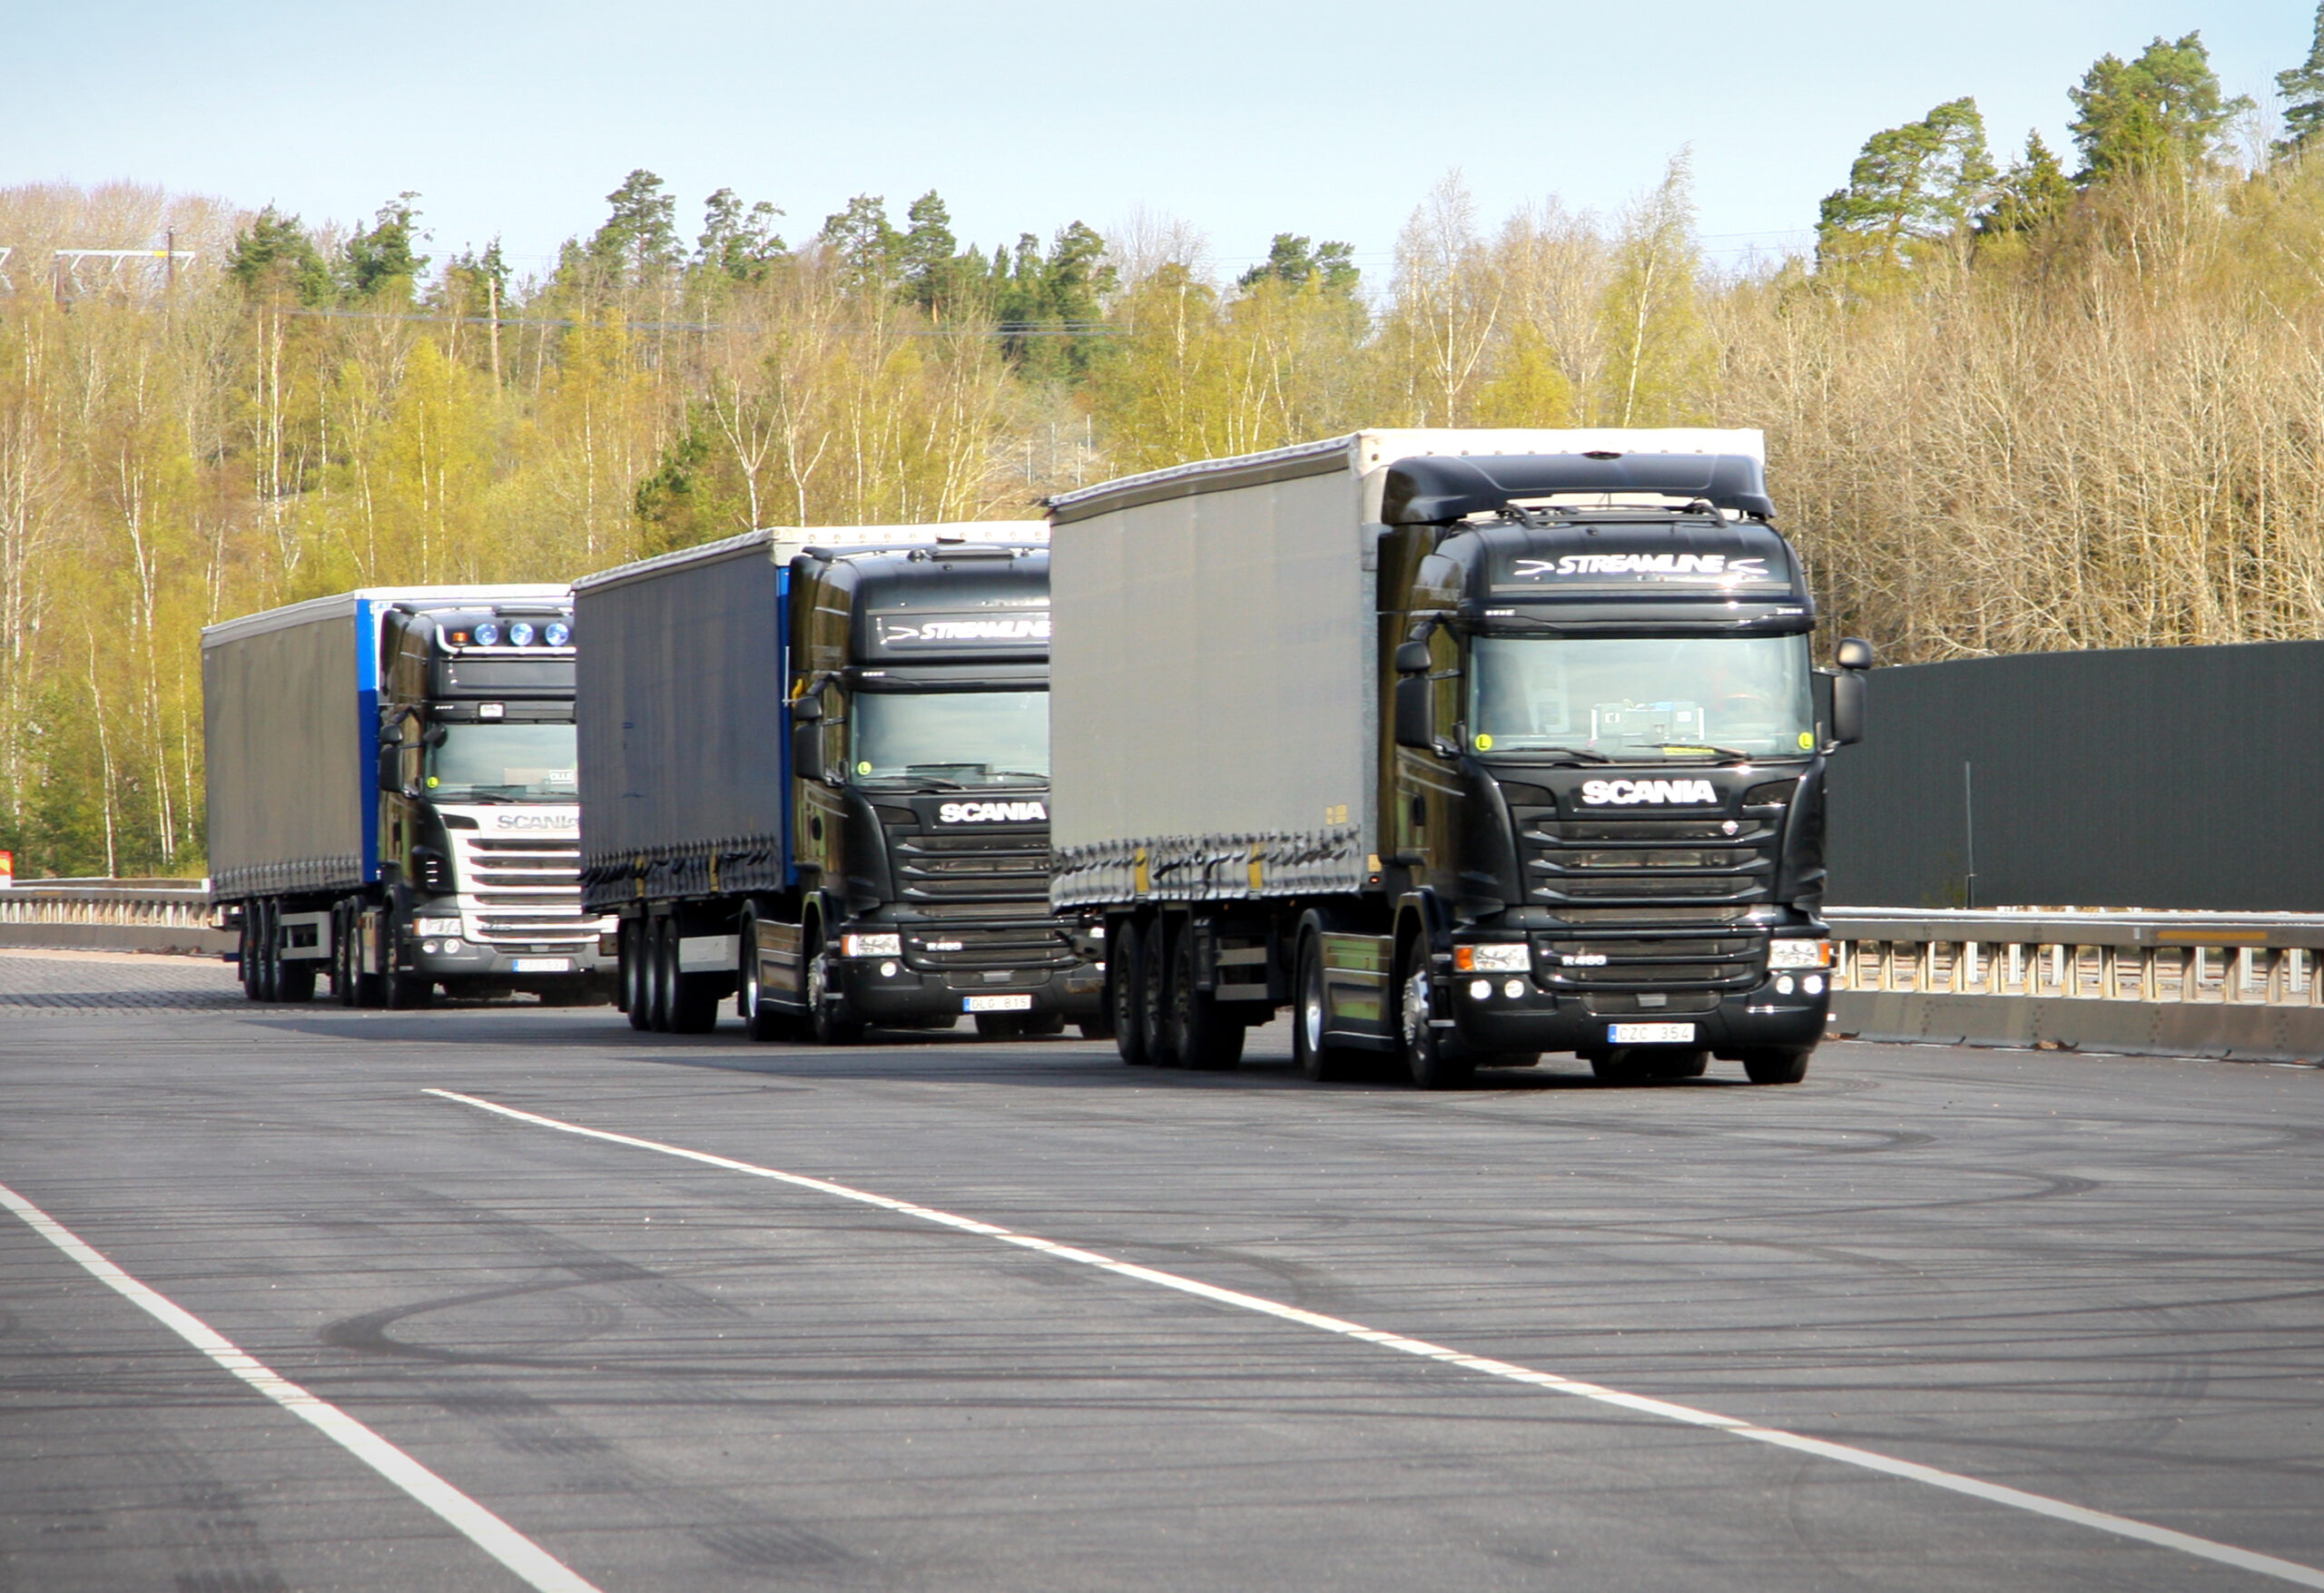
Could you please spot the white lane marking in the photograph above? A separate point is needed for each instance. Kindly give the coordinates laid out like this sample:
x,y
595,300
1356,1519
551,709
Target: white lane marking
x,y
497,1537
1870,1461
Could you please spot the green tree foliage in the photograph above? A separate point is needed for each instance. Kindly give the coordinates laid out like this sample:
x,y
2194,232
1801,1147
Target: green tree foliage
x,y
639,241
738,245
2032,194
2302,87
866,245
2161,113
1295,262
274,258
1910,185
1049,305
380,262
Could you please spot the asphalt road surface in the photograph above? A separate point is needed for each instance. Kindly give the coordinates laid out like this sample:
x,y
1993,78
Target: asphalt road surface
x,y
1021,1318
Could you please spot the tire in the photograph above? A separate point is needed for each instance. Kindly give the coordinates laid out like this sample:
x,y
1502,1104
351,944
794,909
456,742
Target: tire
x,y
635,972
1776,1066
294,979
762,1019
661,960
1428,1050
409,992
253,936
269,946
1319,1061
693,997
833,1023
1125,993
1646,1063
1200,1034
1154,994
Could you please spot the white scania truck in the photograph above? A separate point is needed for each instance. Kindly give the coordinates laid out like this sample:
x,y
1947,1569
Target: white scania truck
x,y
392,798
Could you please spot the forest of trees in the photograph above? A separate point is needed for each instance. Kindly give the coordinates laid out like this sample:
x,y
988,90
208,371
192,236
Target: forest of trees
x,y
2053,400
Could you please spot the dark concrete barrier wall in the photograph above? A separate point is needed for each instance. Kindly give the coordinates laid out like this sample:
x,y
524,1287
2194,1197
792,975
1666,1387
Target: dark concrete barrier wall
x,y
2171,777
119,937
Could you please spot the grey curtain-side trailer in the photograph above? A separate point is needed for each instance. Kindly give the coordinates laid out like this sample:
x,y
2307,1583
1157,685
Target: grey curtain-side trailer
x,y
815,768
1465,745
393,802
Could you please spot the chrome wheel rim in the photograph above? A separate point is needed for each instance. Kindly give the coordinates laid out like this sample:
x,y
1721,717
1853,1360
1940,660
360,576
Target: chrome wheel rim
x,y
1416,1013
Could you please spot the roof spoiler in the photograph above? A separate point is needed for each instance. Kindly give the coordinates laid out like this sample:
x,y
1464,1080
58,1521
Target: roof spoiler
x,y
1436,489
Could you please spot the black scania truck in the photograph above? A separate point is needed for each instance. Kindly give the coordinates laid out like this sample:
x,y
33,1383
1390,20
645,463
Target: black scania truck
x,y
1466,745
814,776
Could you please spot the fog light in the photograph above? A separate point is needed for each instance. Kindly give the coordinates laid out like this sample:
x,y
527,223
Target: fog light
x,y
453,947
1514,988
1813,984
1480,988
1783,984
432,947
887,971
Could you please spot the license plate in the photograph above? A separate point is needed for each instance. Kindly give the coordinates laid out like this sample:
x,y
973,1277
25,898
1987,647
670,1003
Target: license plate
x,y
541,964
1651,1034
995,1003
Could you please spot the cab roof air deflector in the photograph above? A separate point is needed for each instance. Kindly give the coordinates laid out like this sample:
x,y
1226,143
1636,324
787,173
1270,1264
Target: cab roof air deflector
x,y
1438,489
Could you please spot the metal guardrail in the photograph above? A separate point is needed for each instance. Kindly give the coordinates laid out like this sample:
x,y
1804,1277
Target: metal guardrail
x,y
2242,985
162,903
2262,958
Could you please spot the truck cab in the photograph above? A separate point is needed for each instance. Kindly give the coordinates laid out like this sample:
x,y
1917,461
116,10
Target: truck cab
x,y
1603,761
479,816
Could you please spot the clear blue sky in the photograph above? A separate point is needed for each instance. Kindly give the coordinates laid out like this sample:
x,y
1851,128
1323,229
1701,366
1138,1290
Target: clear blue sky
x,y
1243,118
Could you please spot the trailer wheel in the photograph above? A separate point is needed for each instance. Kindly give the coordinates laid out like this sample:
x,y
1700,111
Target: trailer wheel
x,y
1776,1066
1160,1045
294,978
1427,1048
1124,996
247,965
1201,1035
636,999
1319,1061
661,972
693,997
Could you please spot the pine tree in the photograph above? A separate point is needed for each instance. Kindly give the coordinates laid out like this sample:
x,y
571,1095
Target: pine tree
x,y
1294,261
640,240
866,243
2302,88
380,261
2033,193
2161,111
1910,184
742,247
274,257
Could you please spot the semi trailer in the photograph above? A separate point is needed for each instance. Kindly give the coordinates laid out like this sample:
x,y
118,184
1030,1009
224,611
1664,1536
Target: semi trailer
x,y
814,776
1464,745
392,801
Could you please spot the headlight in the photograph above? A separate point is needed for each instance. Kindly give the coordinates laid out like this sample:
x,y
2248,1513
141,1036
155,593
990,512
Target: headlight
x,y
436,926
1799,954
871,945
1502,957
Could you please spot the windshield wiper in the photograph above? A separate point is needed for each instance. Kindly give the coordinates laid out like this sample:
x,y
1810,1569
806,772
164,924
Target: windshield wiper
x,y
1679,748
1565,754
917,782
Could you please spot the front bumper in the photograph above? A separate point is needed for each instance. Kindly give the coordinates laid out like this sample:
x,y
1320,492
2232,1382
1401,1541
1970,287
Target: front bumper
x,y
1769,1015
886,989
545,965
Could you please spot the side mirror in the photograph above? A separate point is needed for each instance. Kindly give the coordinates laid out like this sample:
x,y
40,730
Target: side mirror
x,y
806,709
1853,653
1415,715
390,774
806,751
1411,658
1848,704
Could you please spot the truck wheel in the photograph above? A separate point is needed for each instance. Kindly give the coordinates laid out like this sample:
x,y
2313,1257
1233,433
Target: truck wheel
x,y
1318,1059
661,973
761,1020
1776,1066
269,942
833,1023
636,999
1153,994
252,926
693,997
295,980
1427,1046
1201,1035
1125,998
409,991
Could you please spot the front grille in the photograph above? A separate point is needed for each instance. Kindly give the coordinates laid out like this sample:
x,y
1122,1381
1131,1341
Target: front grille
x,y
954,947
1660,864
990,865
1678,1004
525,892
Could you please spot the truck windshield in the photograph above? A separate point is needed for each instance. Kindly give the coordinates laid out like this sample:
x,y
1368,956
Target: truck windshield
x,y
518,763
1631,699
951,738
